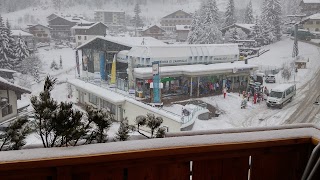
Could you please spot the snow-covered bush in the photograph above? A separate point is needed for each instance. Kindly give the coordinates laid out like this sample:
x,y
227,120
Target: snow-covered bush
x,y
234,34
54,65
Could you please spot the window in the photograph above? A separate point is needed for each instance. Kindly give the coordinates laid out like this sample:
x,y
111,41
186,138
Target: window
x,y
93,99
7,110
85,38
108,106
317,29
317,22
79,37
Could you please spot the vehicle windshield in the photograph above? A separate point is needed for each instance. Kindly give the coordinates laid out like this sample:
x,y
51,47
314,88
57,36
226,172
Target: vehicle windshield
x,y
275,94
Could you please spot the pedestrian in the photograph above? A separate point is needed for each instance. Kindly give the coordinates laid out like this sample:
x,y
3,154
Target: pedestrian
x,y
249,96
255,98
225,90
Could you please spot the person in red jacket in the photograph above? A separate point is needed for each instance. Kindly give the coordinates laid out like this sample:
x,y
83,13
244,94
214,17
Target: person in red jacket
x,y
255,98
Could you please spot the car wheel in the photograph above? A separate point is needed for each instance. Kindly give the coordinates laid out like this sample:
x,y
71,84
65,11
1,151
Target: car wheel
x,y
281,106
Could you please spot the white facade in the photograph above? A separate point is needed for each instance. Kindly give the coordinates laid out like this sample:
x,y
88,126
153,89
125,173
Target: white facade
x,y
143,56
119,105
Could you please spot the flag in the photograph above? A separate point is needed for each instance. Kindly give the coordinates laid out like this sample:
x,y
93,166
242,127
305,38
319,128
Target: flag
x,y
113,71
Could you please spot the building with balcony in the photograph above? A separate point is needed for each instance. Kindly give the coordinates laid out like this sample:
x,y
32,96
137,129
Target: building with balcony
x,y
153,31
40,32
61,26
310,7
27,37
9,94
278,153
312,23
115,20
86,32
179,17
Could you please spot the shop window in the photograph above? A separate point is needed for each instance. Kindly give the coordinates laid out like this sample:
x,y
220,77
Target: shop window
x,y
79,37
318,22
93,99
148,61
85,38
317,29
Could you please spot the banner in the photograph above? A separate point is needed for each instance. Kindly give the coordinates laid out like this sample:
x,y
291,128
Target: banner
x,y
114,70
102,66
156,81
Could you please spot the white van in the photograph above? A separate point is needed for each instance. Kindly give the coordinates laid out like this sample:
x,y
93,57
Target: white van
x,y
281,95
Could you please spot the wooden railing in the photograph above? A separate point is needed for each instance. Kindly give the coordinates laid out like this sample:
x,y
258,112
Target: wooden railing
x,y
273,153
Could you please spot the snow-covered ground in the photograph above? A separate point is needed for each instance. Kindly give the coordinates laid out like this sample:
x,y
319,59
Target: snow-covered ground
x,y
259,114
232,116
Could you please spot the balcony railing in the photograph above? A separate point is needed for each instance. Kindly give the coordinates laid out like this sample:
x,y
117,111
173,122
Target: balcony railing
x,y
256,153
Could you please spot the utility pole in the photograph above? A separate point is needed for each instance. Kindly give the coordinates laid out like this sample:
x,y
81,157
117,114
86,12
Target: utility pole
x,y
295,52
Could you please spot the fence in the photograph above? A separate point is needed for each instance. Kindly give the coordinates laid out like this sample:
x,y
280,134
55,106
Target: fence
x,y
187,119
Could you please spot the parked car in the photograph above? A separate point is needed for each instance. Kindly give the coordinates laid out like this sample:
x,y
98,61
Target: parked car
x,y
270,79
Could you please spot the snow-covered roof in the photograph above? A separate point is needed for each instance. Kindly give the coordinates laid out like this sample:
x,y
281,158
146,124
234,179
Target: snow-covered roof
x,y
20,33
282,87
311,1
195,70
313,17
30,26
183,27
148,27
86,26
110,96
7,70
128,41
155,110
7,84
249,27
111,11
182,50
73,19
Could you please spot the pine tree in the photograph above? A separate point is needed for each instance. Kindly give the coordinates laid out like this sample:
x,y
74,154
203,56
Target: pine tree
x,y
57,4
271,19
137,19
44,107
161,133
234,34
57,124
249,14
123,131
102,121
61,63
230,13
21,52
15,135
205,25
4,45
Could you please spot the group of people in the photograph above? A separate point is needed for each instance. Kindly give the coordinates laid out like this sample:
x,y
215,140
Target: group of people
x,y
257,96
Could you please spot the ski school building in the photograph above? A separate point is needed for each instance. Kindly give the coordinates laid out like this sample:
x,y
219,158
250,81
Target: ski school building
x,y
184,70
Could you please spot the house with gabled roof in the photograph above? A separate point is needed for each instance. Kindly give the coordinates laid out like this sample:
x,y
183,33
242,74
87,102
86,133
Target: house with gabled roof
x,y
86,32
61,26
9,94
179,17
40,32
154,31
310,7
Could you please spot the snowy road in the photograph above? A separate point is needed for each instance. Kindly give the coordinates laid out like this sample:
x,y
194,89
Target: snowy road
x,y
307,112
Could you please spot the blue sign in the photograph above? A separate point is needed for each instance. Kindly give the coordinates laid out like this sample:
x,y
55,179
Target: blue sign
x,y
156,82
102,66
